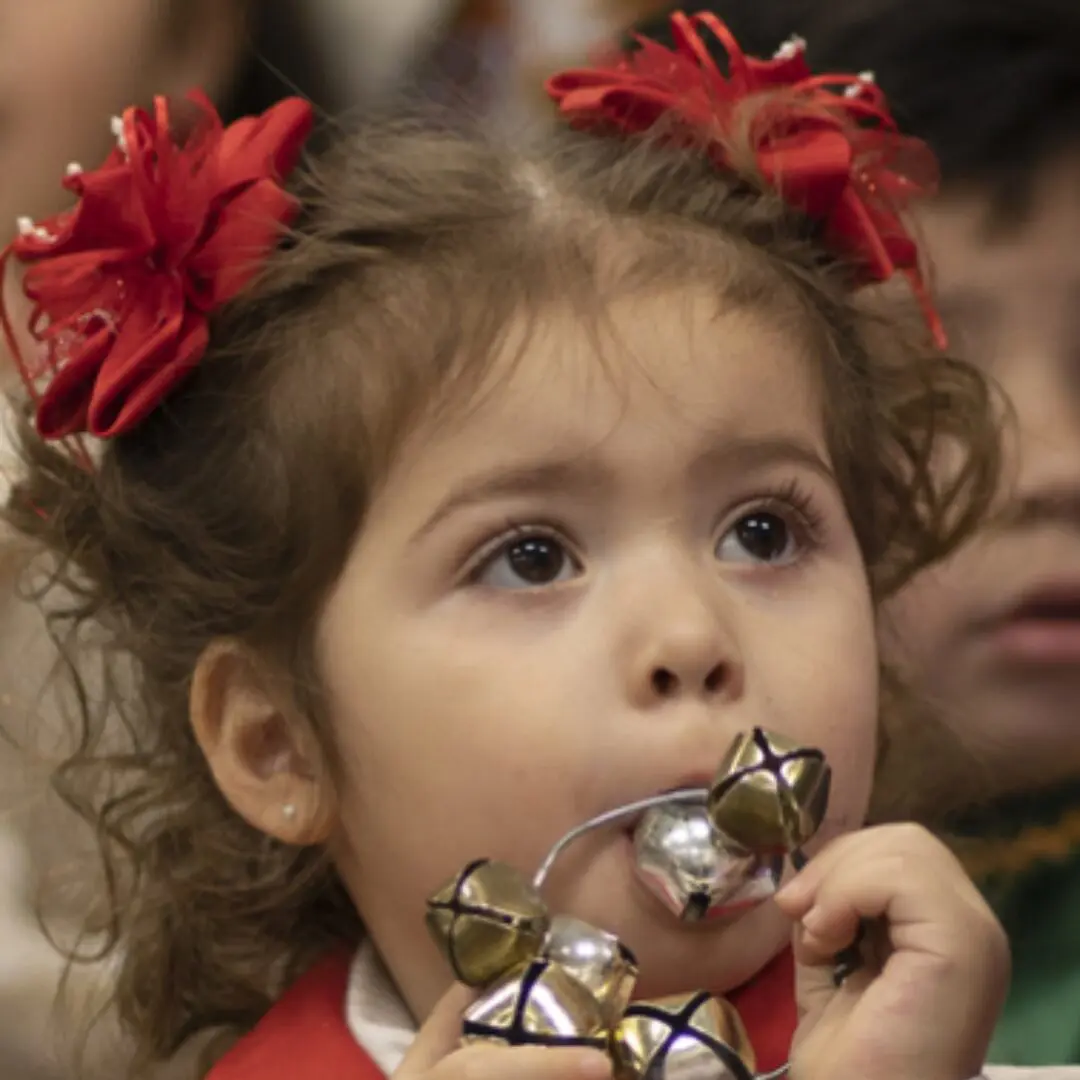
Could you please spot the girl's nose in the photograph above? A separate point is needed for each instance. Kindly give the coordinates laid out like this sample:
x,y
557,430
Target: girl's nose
x,y
687,645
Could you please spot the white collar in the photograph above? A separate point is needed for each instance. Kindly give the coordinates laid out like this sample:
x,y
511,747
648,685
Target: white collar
x,y
380,1023
374,1012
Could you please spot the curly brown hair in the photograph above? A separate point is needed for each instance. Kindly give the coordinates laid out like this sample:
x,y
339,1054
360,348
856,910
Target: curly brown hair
x,y
230,511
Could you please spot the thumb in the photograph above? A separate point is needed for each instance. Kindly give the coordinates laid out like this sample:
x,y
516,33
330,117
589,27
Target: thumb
x,y
440,1034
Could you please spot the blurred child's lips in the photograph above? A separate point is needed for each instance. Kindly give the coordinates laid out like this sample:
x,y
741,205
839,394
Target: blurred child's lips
x,y
1040,629
1036,642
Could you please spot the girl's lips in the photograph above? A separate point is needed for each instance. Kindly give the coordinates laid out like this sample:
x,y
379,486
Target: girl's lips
x,y
694,787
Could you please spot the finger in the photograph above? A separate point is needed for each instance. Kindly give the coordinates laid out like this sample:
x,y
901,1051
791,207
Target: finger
x,y
862,844
900,842
868,947
440,1034
925,910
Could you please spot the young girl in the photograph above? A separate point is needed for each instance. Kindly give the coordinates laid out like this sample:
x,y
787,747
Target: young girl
x,y
502,489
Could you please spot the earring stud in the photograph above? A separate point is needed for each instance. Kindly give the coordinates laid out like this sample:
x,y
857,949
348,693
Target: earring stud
x,y
288,811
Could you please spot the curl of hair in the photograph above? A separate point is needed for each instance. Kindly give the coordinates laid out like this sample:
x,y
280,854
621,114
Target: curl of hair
x,y
231,511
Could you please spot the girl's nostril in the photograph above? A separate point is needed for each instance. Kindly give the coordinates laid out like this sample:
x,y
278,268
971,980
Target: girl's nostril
x,y
664,682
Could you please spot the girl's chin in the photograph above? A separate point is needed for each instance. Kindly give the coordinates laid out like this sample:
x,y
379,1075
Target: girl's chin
x,y
715,955
674,955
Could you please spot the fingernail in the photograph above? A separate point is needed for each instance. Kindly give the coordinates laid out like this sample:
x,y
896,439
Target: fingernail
x,y
593,1065
814,920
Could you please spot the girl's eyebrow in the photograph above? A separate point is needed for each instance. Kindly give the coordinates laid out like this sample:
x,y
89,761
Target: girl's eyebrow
x,y
732,454
586,474
582,474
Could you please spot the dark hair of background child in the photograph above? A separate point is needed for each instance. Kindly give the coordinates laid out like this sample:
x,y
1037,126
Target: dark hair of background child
x,y
283,58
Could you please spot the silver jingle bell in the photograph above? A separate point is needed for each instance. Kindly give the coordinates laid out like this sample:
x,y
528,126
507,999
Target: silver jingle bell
x,y
688,1037
537,1005
692,870
596,959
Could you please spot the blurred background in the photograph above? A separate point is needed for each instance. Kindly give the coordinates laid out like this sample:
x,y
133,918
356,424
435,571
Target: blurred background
x,y
993,86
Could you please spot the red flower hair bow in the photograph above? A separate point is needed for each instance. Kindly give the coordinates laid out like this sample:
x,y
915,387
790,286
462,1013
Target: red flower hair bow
x,y
163,233
827,144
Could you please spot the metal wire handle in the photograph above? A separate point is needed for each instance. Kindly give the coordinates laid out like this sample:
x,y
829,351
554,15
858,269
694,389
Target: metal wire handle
x,y
611,817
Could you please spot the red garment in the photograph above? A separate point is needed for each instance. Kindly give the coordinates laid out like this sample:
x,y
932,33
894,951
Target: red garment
x,y
305,1035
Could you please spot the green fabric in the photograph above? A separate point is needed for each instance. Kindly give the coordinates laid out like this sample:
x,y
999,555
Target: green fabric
x,y
1040,910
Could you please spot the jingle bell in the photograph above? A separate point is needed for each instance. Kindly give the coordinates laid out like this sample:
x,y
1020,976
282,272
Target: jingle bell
x,y
538,1005
770,793
487,921
692,869
688,1037
597,959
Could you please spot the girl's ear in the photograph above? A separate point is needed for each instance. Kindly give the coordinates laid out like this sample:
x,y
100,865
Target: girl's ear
x,y
265,759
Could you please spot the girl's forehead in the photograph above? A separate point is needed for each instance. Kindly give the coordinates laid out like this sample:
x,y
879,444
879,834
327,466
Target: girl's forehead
x,y
655,376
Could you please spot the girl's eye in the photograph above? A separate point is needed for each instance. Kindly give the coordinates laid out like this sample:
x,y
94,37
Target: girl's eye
x,y
761,536
527,561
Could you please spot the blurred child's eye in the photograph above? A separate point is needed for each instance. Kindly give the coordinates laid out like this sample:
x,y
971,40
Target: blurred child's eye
x,y
527,560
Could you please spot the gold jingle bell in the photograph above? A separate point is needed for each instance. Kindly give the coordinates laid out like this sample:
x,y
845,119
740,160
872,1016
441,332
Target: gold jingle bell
x,y
487,921
596,959
770,793
692,869
686,1037
538,1005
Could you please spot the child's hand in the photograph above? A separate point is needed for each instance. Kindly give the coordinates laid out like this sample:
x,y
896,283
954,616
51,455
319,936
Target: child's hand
x,y
437,1053
925,1005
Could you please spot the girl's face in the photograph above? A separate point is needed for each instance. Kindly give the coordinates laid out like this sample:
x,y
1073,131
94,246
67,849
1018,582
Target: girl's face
x,y
574,595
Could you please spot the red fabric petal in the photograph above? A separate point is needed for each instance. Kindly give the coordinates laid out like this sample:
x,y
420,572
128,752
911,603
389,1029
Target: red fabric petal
x,y
237,247
109,216
269,145
68,309
125,394
852,229
62,409
828,143
172,225
145,334
630,108
779,72
811,170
